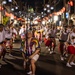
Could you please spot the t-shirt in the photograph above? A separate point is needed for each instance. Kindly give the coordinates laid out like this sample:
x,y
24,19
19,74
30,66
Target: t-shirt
x,y
72,35
22,31
2,36
8,34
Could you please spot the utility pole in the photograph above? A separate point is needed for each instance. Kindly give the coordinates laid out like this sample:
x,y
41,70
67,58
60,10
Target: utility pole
x,y
1,11
74,7
44,2
64,1
36,7
50,1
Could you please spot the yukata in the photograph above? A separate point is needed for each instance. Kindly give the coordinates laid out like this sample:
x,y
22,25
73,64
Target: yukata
x,y
32,47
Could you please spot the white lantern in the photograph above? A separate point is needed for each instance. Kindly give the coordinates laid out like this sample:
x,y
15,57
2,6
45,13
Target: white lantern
x,y
10,0
4,2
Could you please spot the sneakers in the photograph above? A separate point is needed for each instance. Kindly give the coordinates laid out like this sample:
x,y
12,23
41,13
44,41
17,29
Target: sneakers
x,y
72,63
51,52
62,58
68,65
48,49
10,55
30,72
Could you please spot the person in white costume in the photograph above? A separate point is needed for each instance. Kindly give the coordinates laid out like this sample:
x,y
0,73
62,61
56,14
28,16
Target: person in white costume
x,y
2,39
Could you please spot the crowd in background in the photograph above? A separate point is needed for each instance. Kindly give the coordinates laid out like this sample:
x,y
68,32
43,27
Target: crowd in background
x,y
32,38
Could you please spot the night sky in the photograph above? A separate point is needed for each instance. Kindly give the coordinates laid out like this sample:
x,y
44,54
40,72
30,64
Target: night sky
x,y
39,4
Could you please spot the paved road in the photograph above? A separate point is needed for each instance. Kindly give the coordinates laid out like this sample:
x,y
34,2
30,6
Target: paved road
x,y
46,65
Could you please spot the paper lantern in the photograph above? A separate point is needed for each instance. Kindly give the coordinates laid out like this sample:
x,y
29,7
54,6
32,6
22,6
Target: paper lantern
x,y
71,3
1,8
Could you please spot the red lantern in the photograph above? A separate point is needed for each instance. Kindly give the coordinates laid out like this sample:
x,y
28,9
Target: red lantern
x,y
71,3
1,8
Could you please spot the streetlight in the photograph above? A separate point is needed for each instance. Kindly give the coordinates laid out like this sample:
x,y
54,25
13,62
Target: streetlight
x,y
74,6
48,5
9,0
4,2
52,8
16,7
47,9
12,9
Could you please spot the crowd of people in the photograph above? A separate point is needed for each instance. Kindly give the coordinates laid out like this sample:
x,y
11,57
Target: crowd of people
x,y
30,47
31,41
7,37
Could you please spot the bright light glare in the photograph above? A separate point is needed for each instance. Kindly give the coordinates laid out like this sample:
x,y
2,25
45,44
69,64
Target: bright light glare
x,y
48,6
35,22
42,12
16,7
60,22
12,9
45,9
15,21
12,17
10,0
49,20
4,2
43,22
48,10
52,8
55,18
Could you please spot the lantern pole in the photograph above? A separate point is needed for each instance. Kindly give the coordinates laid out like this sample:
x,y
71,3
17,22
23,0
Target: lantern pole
x,y
74,6
64,1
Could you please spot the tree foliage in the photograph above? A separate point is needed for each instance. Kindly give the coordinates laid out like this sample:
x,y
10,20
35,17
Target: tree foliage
x,y
5,20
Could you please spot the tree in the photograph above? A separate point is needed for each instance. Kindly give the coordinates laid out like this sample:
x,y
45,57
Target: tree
x,y
5,20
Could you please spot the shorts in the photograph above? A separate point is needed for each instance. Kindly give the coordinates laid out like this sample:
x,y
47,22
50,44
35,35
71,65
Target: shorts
x,y
71,49
48,42
36,57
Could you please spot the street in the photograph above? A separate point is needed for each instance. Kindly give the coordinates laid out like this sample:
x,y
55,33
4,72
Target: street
x,y
43,29
46,65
